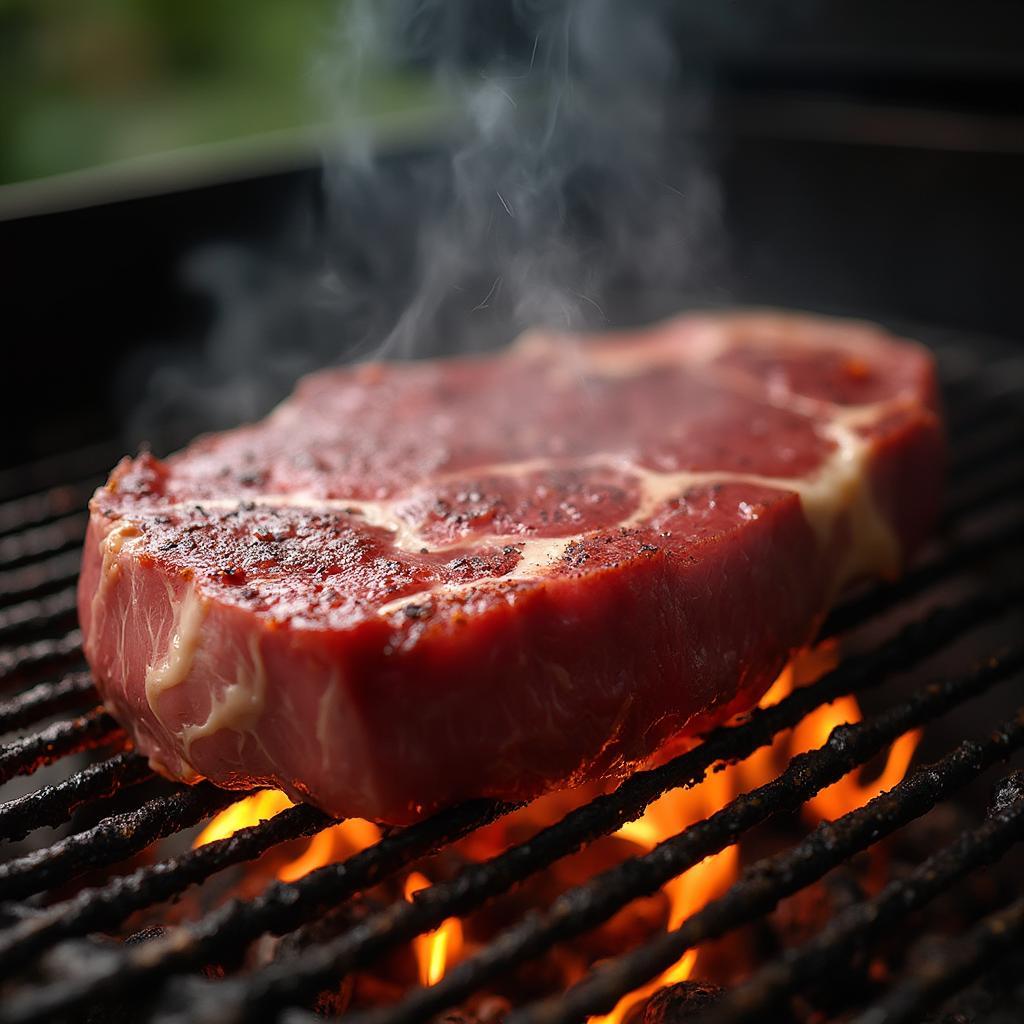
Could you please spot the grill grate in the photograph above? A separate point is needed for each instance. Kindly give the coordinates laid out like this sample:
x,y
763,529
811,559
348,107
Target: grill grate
x,y
937,609
1003,826
946,974
769,881
24,756
53,805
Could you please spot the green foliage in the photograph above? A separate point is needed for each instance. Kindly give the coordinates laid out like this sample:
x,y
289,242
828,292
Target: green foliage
x,y
90,82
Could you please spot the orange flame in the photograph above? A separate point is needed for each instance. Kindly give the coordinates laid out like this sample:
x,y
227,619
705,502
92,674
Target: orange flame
x,y
690,891
849,792
436,949
342,840
677,809
250,811
812,731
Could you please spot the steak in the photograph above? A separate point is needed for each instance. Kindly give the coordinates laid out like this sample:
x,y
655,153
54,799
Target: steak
x,y
421,582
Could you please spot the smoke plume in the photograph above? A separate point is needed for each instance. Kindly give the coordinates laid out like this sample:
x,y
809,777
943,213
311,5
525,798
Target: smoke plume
x,y
566,190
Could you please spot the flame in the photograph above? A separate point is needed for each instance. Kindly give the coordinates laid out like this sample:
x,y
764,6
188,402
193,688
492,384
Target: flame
x,y
690,891
250,811
677,809
849,792
434,950
335,843
342,840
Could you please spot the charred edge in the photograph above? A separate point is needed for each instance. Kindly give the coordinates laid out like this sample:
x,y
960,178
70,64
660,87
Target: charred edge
x,y
281,908
19,548
286,906
588,905
26,755
1004,826
956,967
41,576
18,662
46,699
38,615
106,907
53,805
764,884
112,840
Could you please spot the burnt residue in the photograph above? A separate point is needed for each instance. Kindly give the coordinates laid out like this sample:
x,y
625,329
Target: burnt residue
x,y
848,931
27,754
112,840
679,1003
52,806
46,699
110,905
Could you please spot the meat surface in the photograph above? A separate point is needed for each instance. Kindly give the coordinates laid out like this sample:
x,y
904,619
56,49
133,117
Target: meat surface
x,y
421,582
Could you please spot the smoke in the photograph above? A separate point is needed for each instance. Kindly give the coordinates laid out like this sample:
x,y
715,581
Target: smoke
x,y
566,191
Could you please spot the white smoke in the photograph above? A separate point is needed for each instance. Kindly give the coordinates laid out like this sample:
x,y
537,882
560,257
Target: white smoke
x,y
567,192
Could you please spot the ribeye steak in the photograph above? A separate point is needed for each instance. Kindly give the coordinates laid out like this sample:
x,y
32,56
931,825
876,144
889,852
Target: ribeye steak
x,y
419,582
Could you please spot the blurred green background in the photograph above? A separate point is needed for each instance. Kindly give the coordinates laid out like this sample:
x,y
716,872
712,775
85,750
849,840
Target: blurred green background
x,y
87,83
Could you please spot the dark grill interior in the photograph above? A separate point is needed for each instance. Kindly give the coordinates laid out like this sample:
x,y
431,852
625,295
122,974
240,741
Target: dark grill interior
x,y
940,649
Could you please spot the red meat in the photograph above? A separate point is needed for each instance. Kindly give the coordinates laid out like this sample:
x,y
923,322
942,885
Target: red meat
x,y
420,582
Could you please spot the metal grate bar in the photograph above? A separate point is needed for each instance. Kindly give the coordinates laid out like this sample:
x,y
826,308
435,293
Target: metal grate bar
x,y
59,535
26,755
33,509
588,905
46,699
843,936
53,805
54,470
764,884
39,577
281,908
112,840
961,963
108,906
38,615
18,662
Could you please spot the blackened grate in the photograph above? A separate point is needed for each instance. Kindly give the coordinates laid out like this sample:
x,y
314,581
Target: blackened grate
x,y
946,638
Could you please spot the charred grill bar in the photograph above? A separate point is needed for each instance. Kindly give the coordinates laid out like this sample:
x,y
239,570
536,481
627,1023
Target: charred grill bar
x,y
947,608
1003,826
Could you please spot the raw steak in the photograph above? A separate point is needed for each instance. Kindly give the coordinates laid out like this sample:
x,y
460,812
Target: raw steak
x,y
420,582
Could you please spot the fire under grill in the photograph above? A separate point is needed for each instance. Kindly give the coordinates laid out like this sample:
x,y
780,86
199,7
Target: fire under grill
x,y
896,907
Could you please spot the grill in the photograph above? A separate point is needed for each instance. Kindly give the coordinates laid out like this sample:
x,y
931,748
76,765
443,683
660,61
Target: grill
x,y
940,649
